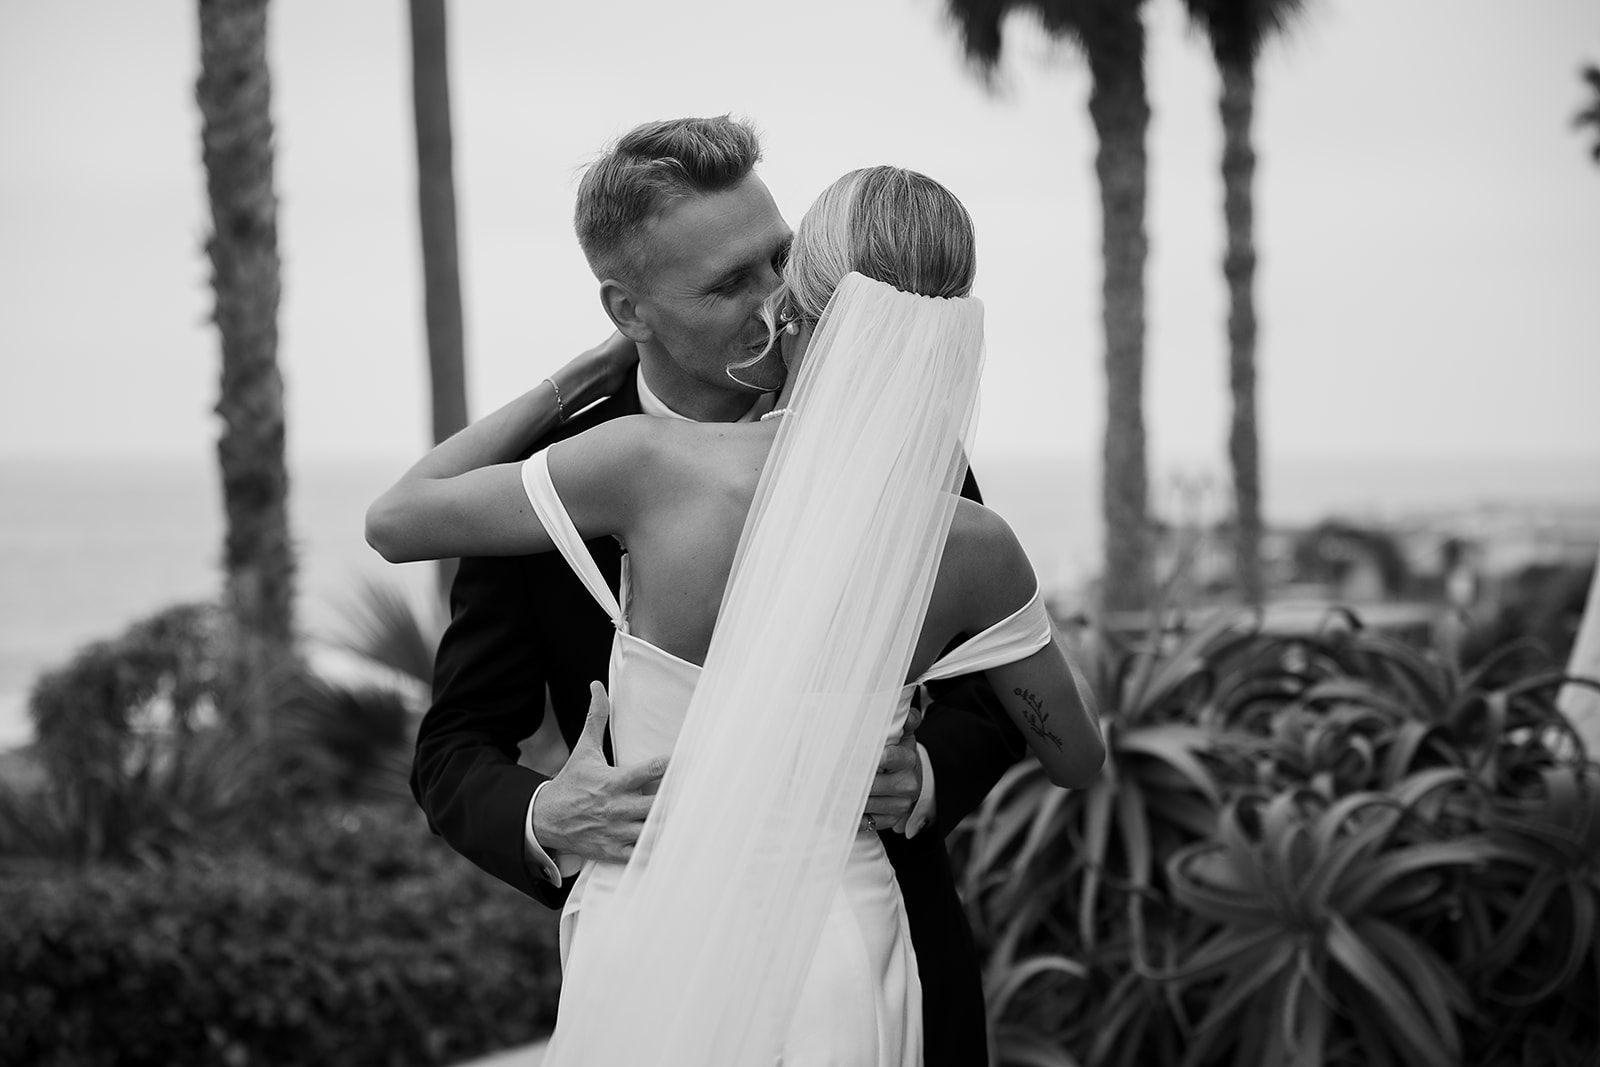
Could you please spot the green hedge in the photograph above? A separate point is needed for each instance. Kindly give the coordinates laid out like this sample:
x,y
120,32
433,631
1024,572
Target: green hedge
x,y
349,936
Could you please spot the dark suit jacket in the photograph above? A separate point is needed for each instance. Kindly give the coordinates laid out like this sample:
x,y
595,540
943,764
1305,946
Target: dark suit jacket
x,y
521,624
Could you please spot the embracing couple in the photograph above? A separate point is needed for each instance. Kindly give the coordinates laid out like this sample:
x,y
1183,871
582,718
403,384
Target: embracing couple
x,y
749,512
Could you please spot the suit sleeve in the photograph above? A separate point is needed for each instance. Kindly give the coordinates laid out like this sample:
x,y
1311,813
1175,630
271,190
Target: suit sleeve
x,y
969,739
488,695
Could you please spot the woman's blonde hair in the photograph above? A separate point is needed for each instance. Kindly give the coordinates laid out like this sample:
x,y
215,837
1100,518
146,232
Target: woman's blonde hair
x,y
893,225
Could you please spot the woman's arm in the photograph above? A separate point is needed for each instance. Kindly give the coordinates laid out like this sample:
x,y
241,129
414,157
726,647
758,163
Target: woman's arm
x,y
512,430
1043,694
461,499
602,475
1051,704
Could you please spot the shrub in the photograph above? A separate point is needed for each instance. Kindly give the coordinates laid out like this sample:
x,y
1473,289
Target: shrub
x,y
1333,849
354,938
135,760
116,733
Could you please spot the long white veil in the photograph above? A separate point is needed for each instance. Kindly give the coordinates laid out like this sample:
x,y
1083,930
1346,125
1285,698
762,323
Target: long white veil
x,y
700,955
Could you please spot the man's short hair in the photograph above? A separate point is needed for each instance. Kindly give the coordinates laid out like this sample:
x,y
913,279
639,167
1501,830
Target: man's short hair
x,y
647,170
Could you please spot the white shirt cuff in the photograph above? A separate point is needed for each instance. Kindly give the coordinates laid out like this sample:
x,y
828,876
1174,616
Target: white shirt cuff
x,y
553,865
923,813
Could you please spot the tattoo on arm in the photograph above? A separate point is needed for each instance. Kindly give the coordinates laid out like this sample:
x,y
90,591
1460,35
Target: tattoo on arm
x,y
1038,718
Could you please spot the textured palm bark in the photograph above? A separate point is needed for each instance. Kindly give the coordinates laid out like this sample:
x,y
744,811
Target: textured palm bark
x,y
1239,266
1121,117
436,203
234,94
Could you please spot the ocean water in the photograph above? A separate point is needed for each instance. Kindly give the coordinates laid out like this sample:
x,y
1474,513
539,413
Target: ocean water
x,y
88,547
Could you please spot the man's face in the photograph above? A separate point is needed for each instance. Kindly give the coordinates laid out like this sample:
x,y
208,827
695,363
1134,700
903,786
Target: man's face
x,y
709,262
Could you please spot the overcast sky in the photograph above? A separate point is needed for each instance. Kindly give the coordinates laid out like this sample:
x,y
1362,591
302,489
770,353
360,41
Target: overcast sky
x,y
1428,220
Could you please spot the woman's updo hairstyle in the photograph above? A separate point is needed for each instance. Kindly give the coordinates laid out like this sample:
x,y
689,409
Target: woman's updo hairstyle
x,y
893,225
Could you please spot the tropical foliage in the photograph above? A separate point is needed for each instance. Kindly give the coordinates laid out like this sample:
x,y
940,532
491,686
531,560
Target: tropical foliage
x,y
183,886
1328,848
135,760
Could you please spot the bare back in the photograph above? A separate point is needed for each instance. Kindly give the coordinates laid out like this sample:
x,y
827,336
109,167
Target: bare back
x,y
683,539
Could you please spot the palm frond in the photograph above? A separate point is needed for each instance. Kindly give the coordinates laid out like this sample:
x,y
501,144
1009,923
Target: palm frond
x,y
387,629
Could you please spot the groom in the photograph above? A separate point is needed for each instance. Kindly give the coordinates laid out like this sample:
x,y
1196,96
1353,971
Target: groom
x,y
686,242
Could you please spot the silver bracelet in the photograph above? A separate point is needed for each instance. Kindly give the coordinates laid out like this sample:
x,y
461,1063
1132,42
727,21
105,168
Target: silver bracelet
x,y
561,409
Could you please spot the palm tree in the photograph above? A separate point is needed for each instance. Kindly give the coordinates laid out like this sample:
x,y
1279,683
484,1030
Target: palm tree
x,y
436,201
1110,34
234,93
1237,29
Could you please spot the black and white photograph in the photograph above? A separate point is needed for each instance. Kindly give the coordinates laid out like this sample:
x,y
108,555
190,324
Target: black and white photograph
x,y
868,533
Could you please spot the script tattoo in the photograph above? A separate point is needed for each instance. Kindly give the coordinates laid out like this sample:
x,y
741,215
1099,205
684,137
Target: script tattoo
x,y
1038,718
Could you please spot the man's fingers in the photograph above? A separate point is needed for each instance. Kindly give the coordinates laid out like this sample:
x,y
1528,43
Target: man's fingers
x,y
634,778
897,758
594,726
890,806
912,723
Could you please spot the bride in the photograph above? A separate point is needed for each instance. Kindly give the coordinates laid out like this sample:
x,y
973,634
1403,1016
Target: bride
x,y
787,586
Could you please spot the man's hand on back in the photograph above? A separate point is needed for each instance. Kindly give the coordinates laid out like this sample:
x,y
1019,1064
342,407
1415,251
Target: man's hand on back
x,y
590,808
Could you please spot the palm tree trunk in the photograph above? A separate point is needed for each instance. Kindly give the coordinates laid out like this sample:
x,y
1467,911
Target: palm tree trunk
x,y
436,202
1121,116
234,93
1239,266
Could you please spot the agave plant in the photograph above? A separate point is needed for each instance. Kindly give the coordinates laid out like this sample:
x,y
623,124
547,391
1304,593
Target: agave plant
x,y
1314,848
1538,910
1032,851
1321,910
1168,760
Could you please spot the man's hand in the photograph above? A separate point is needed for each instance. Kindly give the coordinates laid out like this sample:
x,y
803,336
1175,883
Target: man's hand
x,y
898,784
591,809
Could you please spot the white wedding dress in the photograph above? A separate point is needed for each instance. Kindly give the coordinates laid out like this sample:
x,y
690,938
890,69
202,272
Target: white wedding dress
x,y
860,1004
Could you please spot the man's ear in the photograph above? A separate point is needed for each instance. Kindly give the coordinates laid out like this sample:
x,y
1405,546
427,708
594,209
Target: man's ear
x,y
623,307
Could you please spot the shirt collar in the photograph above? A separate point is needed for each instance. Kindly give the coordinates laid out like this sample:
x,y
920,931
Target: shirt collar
x,y
651,404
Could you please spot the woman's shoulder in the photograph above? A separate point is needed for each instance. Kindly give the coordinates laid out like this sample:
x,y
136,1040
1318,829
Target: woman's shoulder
x,y
631,438
980,527
654,455
989,565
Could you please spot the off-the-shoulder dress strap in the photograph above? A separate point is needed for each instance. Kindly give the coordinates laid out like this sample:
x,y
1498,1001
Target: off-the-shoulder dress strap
x,y
558,524
1017,636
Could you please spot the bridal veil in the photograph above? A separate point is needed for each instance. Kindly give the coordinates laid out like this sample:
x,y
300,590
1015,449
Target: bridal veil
x,y
700,955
